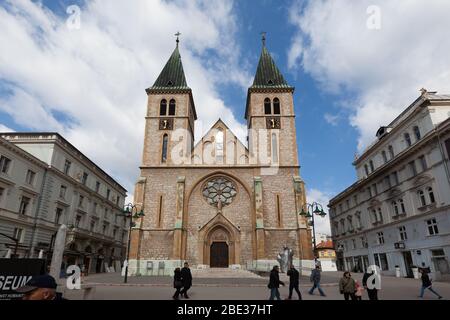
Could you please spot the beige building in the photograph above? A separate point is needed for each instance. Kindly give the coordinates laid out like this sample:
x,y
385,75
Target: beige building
x,y
45,182
220,203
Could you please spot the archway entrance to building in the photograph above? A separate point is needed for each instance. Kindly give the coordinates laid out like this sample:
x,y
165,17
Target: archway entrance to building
x,y
219,255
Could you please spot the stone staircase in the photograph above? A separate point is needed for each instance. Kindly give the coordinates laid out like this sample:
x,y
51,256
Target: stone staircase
x,y
223,273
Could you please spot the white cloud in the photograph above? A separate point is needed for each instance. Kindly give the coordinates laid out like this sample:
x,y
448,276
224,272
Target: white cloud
x,y
322,225
383,69
4,128
94,77
331,119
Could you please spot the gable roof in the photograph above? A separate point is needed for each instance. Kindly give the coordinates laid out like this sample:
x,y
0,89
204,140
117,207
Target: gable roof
x,y
215,125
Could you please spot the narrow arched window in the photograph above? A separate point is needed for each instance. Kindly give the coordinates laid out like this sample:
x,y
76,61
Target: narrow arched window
x,y
164,148
421,195
267,107
274,148
417,133
219,146
407,139
431,195
276,106
366,169
372,168
391,152
163,107
172,107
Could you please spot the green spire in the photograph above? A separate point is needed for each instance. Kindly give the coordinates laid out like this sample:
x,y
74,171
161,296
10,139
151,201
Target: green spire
x,y
172,75
267,74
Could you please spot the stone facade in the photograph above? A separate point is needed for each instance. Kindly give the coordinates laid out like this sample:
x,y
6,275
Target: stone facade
x,y
251,216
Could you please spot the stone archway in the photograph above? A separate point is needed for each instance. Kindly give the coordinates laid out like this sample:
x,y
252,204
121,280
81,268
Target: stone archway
x,y
218,247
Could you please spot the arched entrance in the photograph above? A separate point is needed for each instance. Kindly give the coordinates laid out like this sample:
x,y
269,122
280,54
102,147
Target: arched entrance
x,y
219,257
219,248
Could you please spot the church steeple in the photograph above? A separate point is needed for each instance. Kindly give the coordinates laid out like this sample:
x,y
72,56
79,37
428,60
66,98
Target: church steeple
x,y
267,74
172,75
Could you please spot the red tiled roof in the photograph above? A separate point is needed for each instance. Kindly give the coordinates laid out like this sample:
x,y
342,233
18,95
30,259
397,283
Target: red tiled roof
x,y
325,245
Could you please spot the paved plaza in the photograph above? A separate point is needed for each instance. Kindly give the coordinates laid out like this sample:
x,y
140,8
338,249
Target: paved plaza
x,y
111,286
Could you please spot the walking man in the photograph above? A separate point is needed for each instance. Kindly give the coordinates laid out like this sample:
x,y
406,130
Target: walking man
x,y
274,283
186,277
294,276
315,279
426,284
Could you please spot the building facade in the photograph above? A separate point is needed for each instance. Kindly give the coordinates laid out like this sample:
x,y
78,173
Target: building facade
x,y
397,215
326,255
67,189
220,202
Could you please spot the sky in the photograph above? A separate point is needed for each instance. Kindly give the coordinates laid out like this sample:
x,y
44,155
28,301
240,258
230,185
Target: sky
x,y
81,67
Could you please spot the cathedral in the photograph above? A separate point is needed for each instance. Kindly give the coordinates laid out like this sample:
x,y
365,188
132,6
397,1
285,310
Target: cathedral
x,y
219,202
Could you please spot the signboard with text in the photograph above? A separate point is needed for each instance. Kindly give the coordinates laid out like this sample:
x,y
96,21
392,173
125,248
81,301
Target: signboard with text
x,y
14,273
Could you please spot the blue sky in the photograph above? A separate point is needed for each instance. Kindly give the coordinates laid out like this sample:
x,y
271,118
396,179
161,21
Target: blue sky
x,y
354,66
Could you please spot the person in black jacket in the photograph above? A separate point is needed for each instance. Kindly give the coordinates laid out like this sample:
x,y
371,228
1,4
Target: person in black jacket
x,y
186,279
294,276
274,283
372,293
426,284
177,283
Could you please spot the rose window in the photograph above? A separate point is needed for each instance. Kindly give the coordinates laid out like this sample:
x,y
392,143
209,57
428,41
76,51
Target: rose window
x,y
219,192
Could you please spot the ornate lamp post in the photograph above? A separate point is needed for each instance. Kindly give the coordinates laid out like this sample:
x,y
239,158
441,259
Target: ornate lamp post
x,y
130,211
313,209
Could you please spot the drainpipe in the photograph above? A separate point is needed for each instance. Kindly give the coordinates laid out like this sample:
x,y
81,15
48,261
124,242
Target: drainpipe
x,y
36,215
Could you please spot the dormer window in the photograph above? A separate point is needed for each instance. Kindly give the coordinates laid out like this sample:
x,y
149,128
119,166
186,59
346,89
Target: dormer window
x,y
169,83
270,82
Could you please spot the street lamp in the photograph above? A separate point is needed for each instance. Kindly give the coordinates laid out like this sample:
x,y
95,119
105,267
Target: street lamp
x,y
130,211
313,209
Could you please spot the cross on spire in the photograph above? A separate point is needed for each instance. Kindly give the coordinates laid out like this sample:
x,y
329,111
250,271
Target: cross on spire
x,y
263,38
178,34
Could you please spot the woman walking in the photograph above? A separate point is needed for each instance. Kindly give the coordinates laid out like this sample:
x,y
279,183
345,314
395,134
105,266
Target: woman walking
x,y
177,283
347,286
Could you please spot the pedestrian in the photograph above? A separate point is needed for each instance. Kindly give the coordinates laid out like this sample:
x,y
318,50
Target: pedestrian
x,y
426,284
177,283
274,283
315,279
371,292
41,287
294,277
186,278
347,286
359,290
